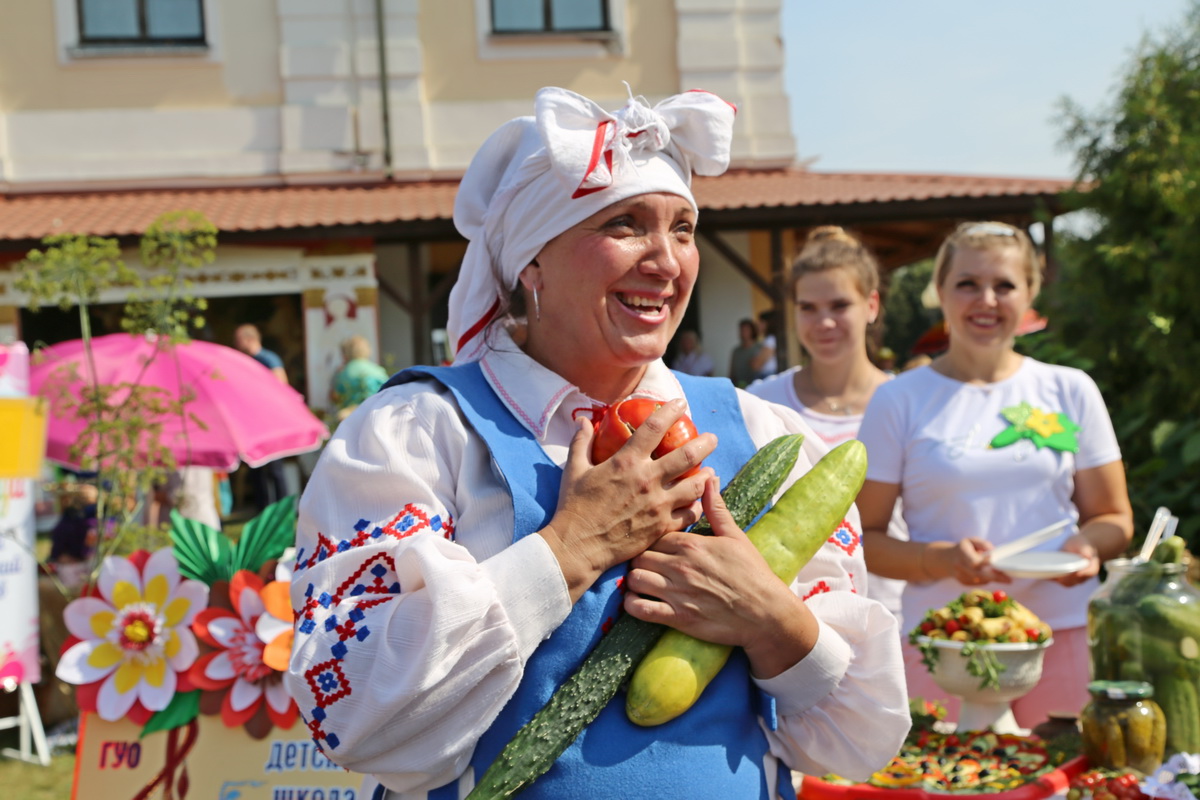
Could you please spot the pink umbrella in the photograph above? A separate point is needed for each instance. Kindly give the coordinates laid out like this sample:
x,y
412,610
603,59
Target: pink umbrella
x,y
247,413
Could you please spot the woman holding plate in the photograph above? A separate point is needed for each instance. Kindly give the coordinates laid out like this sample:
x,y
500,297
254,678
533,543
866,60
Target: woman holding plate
x,y
985,447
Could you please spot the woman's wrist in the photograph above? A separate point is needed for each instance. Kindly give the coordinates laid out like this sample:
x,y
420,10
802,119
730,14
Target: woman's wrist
x,y
930,561
786,644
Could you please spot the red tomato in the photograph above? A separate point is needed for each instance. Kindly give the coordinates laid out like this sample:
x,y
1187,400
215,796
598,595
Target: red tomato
x,y
951,626
1033,633
999,595
618,422
927,626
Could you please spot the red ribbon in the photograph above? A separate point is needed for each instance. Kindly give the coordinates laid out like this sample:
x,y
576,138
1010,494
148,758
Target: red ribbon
x,y
176,754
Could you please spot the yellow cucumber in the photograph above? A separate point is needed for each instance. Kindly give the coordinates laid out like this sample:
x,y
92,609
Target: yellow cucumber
x,y
673,675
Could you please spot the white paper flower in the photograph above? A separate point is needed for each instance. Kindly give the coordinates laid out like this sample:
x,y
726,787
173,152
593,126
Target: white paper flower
x,y
135,636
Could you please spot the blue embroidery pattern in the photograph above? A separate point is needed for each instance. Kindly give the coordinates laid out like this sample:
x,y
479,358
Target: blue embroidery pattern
x,y
375,581
846,538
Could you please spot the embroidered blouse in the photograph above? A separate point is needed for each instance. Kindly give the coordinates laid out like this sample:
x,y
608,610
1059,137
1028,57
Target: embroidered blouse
x,y
406,565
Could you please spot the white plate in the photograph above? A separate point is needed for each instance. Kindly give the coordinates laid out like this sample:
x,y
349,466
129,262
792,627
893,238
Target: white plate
x,y
1041,564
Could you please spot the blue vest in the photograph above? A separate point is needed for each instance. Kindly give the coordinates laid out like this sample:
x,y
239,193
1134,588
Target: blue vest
x,y
716,749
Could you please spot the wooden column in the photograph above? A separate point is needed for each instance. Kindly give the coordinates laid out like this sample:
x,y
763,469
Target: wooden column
x,y
1051,273
784,346
418,304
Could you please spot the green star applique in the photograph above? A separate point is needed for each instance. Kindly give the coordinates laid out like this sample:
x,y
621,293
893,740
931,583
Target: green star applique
x,y
1052,429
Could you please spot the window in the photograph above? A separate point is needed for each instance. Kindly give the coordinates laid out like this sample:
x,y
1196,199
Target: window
x,y
141,22
549,16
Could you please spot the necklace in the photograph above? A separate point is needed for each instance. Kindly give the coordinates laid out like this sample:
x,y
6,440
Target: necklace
x,y
838,408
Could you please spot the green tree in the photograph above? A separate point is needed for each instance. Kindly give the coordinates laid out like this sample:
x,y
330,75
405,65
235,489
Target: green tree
x,y
120,440
905,317
1124,307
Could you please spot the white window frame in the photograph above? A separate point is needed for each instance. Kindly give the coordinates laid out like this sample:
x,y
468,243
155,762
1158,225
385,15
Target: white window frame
x,y
70,50
551,44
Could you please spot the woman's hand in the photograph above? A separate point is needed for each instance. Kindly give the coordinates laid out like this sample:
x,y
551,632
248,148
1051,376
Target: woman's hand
x,y
966,561
608,513
720,589
1081,545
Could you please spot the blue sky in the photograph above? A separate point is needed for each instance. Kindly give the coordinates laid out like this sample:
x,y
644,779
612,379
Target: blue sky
x,y
954,86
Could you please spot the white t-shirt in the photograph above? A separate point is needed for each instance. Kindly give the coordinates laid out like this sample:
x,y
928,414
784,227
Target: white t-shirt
x,y
833,430
931,435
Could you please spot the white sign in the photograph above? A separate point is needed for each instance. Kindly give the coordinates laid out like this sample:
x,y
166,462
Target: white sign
x,y
18,566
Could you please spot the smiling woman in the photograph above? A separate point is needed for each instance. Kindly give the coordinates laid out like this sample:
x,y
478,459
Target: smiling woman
x,y
463,547
985,445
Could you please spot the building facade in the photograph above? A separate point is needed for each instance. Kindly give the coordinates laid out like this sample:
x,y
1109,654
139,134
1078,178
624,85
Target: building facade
x,y
325,139
103,99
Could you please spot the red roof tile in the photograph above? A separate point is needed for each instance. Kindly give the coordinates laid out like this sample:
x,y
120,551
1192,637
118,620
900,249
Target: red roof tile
x,y
116,213
796,187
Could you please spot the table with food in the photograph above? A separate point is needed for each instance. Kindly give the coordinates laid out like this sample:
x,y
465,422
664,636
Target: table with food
x,y
1138,736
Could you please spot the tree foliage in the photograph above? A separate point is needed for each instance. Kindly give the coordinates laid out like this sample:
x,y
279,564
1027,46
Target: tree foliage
x,y
121,439
905,315
1124,305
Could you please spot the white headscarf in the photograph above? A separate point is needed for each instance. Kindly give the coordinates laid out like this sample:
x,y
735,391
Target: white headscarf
x,y
537,176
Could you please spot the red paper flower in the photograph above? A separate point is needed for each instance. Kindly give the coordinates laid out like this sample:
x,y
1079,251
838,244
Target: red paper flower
x,y
238,683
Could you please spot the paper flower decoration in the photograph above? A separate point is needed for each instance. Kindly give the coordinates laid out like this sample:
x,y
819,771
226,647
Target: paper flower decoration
x,y
1052,429
241,675
131,641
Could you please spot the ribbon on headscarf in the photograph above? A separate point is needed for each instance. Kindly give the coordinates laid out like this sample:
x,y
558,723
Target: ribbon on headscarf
x,y
535,177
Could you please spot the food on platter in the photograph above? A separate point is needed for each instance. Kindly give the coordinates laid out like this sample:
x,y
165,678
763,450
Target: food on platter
x,y
979,762
982,616
977,623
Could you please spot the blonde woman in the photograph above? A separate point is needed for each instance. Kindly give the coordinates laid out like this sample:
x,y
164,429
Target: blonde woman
x,y
986,445
835,285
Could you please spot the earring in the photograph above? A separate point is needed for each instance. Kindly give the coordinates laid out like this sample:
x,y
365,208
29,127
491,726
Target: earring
x,y
537,307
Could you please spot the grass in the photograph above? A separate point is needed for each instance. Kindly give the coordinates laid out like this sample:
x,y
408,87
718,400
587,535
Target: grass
x,y
24,781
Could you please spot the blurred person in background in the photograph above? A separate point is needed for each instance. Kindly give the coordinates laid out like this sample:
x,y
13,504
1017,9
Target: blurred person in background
x,y
691,357
742,369
359,377
268,483
835,287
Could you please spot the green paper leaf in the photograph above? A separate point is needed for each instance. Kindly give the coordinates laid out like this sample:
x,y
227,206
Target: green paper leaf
x,y
266,536
183,708
1017,414
1069,425
1006,437
1063,440
203,554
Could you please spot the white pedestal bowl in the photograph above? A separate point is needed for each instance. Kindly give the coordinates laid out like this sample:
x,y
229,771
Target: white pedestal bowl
x,y
983,709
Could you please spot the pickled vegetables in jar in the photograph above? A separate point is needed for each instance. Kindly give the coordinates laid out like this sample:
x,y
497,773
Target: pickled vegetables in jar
x,y
1144,625
1123,728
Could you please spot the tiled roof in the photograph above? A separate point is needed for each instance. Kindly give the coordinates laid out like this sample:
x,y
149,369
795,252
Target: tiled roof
x,y
738,189
232,209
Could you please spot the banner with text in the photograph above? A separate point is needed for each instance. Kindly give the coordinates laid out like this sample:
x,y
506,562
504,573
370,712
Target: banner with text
x,y
204,760
18,565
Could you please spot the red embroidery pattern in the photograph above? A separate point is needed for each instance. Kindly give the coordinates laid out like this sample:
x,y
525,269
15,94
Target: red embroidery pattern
x,y
846,538
374,580
820,588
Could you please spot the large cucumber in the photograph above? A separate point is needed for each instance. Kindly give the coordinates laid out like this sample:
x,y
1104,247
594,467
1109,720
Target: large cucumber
x,y
534,748
677,669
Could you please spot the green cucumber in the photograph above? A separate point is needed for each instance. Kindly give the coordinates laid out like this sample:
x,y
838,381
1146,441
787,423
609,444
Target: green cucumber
x,y
1180,703
673,675
535,747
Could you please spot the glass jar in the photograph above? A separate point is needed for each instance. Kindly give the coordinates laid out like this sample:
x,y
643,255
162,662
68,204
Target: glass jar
x,y
1123,727
1144,625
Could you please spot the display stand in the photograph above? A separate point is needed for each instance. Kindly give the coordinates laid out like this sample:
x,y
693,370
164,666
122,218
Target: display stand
x,y
29,720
